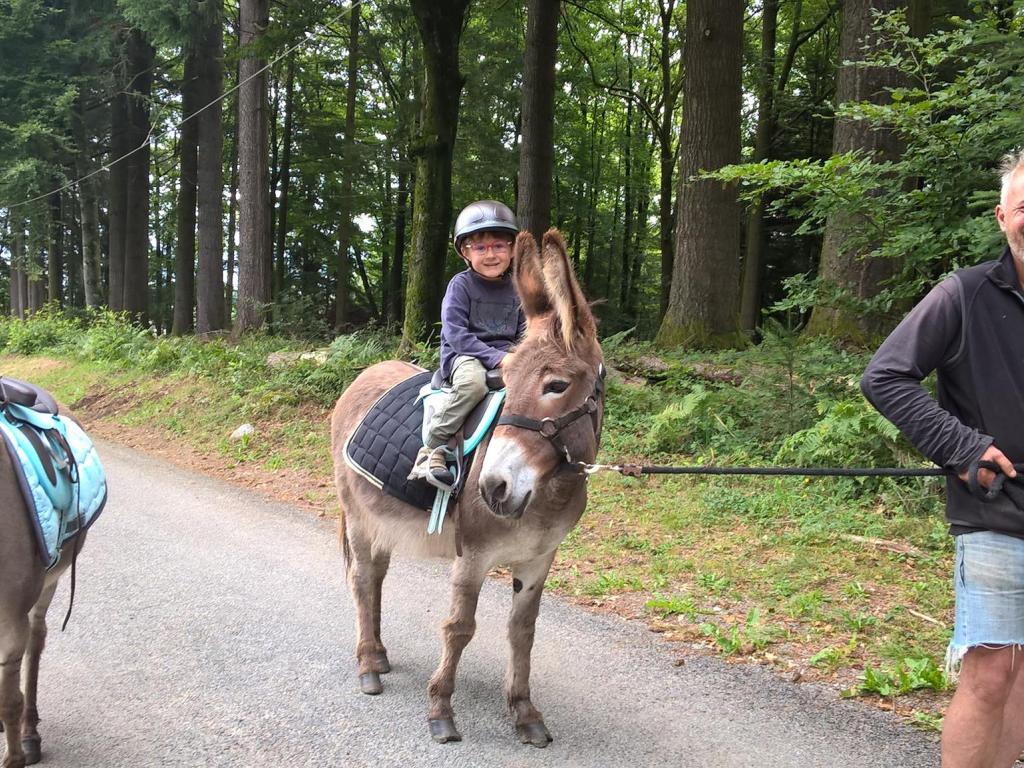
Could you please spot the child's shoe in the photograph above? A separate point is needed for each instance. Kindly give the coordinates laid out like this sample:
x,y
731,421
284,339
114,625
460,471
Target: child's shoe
x,y
432,465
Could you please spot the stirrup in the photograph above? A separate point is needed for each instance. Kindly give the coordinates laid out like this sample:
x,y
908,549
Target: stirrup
x,y
434,481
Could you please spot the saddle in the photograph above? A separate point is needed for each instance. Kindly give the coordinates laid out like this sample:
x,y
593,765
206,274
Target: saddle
x,y
26,394
383,447
56,465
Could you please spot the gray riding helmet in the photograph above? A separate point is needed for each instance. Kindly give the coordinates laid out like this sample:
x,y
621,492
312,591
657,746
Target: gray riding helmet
x,y
481,216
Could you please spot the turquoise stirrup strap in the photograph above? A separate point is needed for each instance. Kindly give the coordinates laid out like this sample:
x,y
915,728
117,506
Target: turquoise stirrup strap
x,y
441,501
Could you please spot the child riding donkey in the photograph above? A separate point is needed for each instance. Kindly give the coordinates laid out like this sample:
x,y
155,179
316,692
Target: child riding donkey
x,y
481,319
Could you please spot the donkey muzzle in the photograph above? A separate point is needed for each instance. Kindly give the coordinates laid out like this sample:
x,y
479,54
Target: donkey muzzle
x,y
498,496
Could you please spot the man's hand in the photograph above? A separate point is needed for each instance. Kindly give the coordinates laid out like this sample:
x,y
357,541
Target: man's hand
x,y
986,476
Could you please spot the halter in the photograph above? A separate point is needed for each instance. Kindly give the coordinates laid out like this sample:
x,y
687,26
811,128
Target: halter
x,y
551,429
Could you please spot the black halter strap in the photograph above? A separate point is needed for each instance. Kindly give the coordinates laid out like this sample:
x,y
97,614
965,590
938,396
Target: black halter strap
x,y
551,429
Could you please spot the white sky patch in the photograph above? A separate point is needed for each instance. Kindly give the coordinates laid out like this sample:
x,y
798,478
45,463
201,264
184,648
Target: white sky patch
x,y
365,222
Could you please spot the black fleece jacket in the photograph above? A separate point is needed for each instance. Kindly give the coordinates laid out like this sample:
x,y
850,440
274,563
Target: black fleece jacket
x,y
970,330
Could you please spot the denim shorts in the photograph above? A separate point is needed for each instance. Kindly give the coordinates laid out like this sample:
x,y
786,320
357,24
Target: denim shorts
x,y
988,575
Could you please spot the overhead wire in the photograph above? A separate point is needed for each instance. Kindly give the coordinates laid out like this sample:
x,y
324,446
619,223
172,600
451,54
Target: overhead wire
x,y
308,36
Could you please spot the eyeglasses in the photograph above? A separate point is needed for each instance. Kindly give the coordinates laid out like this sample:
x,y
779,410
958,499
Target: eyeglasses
x,y
498,249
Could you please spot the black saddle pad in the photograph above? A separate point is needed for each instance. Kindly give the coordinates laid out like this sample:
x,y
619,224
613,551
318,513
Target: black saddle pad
x,y
385,443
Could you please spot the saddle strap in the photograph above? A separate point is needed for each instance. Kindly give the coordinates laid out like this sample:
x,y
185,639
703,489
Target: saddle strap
x,y
447,496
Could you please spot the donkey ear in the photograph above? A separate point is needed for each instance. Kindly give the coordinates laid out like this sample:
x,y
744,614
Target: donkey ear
x,y
529,277
567,297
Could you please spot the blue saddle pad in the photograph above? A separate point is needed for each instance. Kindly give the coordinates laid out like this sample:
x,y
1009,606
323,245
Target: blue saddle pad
x,y
384,445
59,473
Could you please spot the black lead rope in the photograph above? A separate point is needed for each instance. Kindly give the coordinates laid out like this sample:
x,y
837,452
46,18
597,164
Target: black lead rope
x,y
1014,489
635,470
77,490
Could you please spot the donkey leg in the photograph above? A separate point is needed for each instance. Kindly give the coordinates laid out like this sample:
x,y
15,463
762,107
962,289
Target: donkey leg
x,y
13,637
528,585
365,576
467,579
380,563
31,742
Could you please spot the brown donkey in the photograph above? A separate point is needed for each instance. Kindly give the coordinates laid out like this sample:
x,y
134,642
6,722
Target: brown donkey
x,y
26,589
524,493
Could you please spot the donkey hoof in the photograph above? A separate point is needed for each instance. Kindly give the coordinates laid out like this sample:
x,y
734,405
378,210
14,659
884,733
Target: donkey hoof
x,y
442,731
534,733
380,660
369,683
33,750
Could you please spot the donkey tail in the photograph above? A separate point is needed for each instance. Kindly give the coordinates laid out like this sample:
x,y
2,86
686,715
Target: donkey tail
x,y
343,539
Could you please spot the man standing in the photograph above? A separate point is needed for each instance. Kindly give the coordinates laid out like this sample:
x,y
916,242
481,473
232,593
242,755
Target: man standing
x,y
970,330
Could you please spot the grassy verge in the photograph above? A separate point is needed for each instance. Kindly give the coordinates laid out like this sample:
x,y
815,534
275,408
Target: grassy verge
x,y
827,580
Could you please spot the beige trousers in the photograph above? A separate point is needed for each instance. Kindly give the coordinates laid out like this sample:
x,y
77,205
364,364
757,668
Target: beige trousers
x,y
468,388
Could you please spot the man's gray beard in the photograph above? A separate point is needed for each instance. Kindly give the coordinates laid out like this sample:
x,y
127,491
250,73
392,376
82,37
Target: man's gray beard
x,y
1015,241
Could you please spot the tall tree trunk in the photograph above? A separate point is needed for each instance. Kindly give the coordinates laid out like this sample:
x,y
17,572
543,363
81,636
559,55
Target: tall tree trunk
x,y
704,300
274,92
55,248
232,133
842,265
17,284
631,308
398,257
580,189
750,301
92,248
117,198
342,301
666,155
92,282
367,288
210,175
159,310
393,308
254,257
627,224
919,16
185,247
73,249
384,240
615,241
36,268
440,23
596,160
229,286
537,150
140,54
285,181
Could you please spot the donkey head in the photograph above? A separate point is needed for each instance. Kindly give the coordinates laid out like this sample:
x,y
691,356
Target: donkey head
x,y
554,402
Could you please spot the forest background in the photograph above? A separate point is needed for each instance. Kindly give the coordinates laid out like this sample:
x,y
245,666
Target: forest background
x,y
752,193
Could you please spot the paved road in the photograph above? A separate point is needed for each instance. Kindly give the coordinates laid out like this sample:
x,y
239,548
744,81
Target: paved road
x,y
213,628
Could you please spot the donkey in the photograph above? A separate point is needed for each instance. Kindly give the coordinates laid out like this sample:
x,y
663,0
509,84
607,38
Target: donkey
x,y
26,590
525,491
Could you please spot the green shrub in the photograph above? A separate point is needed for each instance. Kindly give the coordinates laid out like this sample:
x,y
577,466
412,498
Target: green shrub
x,y
848,431
48,330
112,336
681,423
912,674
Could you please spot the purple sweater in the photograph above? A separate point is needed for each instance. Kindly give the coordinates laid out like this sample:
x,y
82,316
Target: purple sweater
x,y
480,318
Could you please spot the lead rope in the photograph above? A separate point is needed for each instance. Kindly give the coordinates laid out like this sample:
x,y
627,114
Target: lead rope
x,y
636,470
77,489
